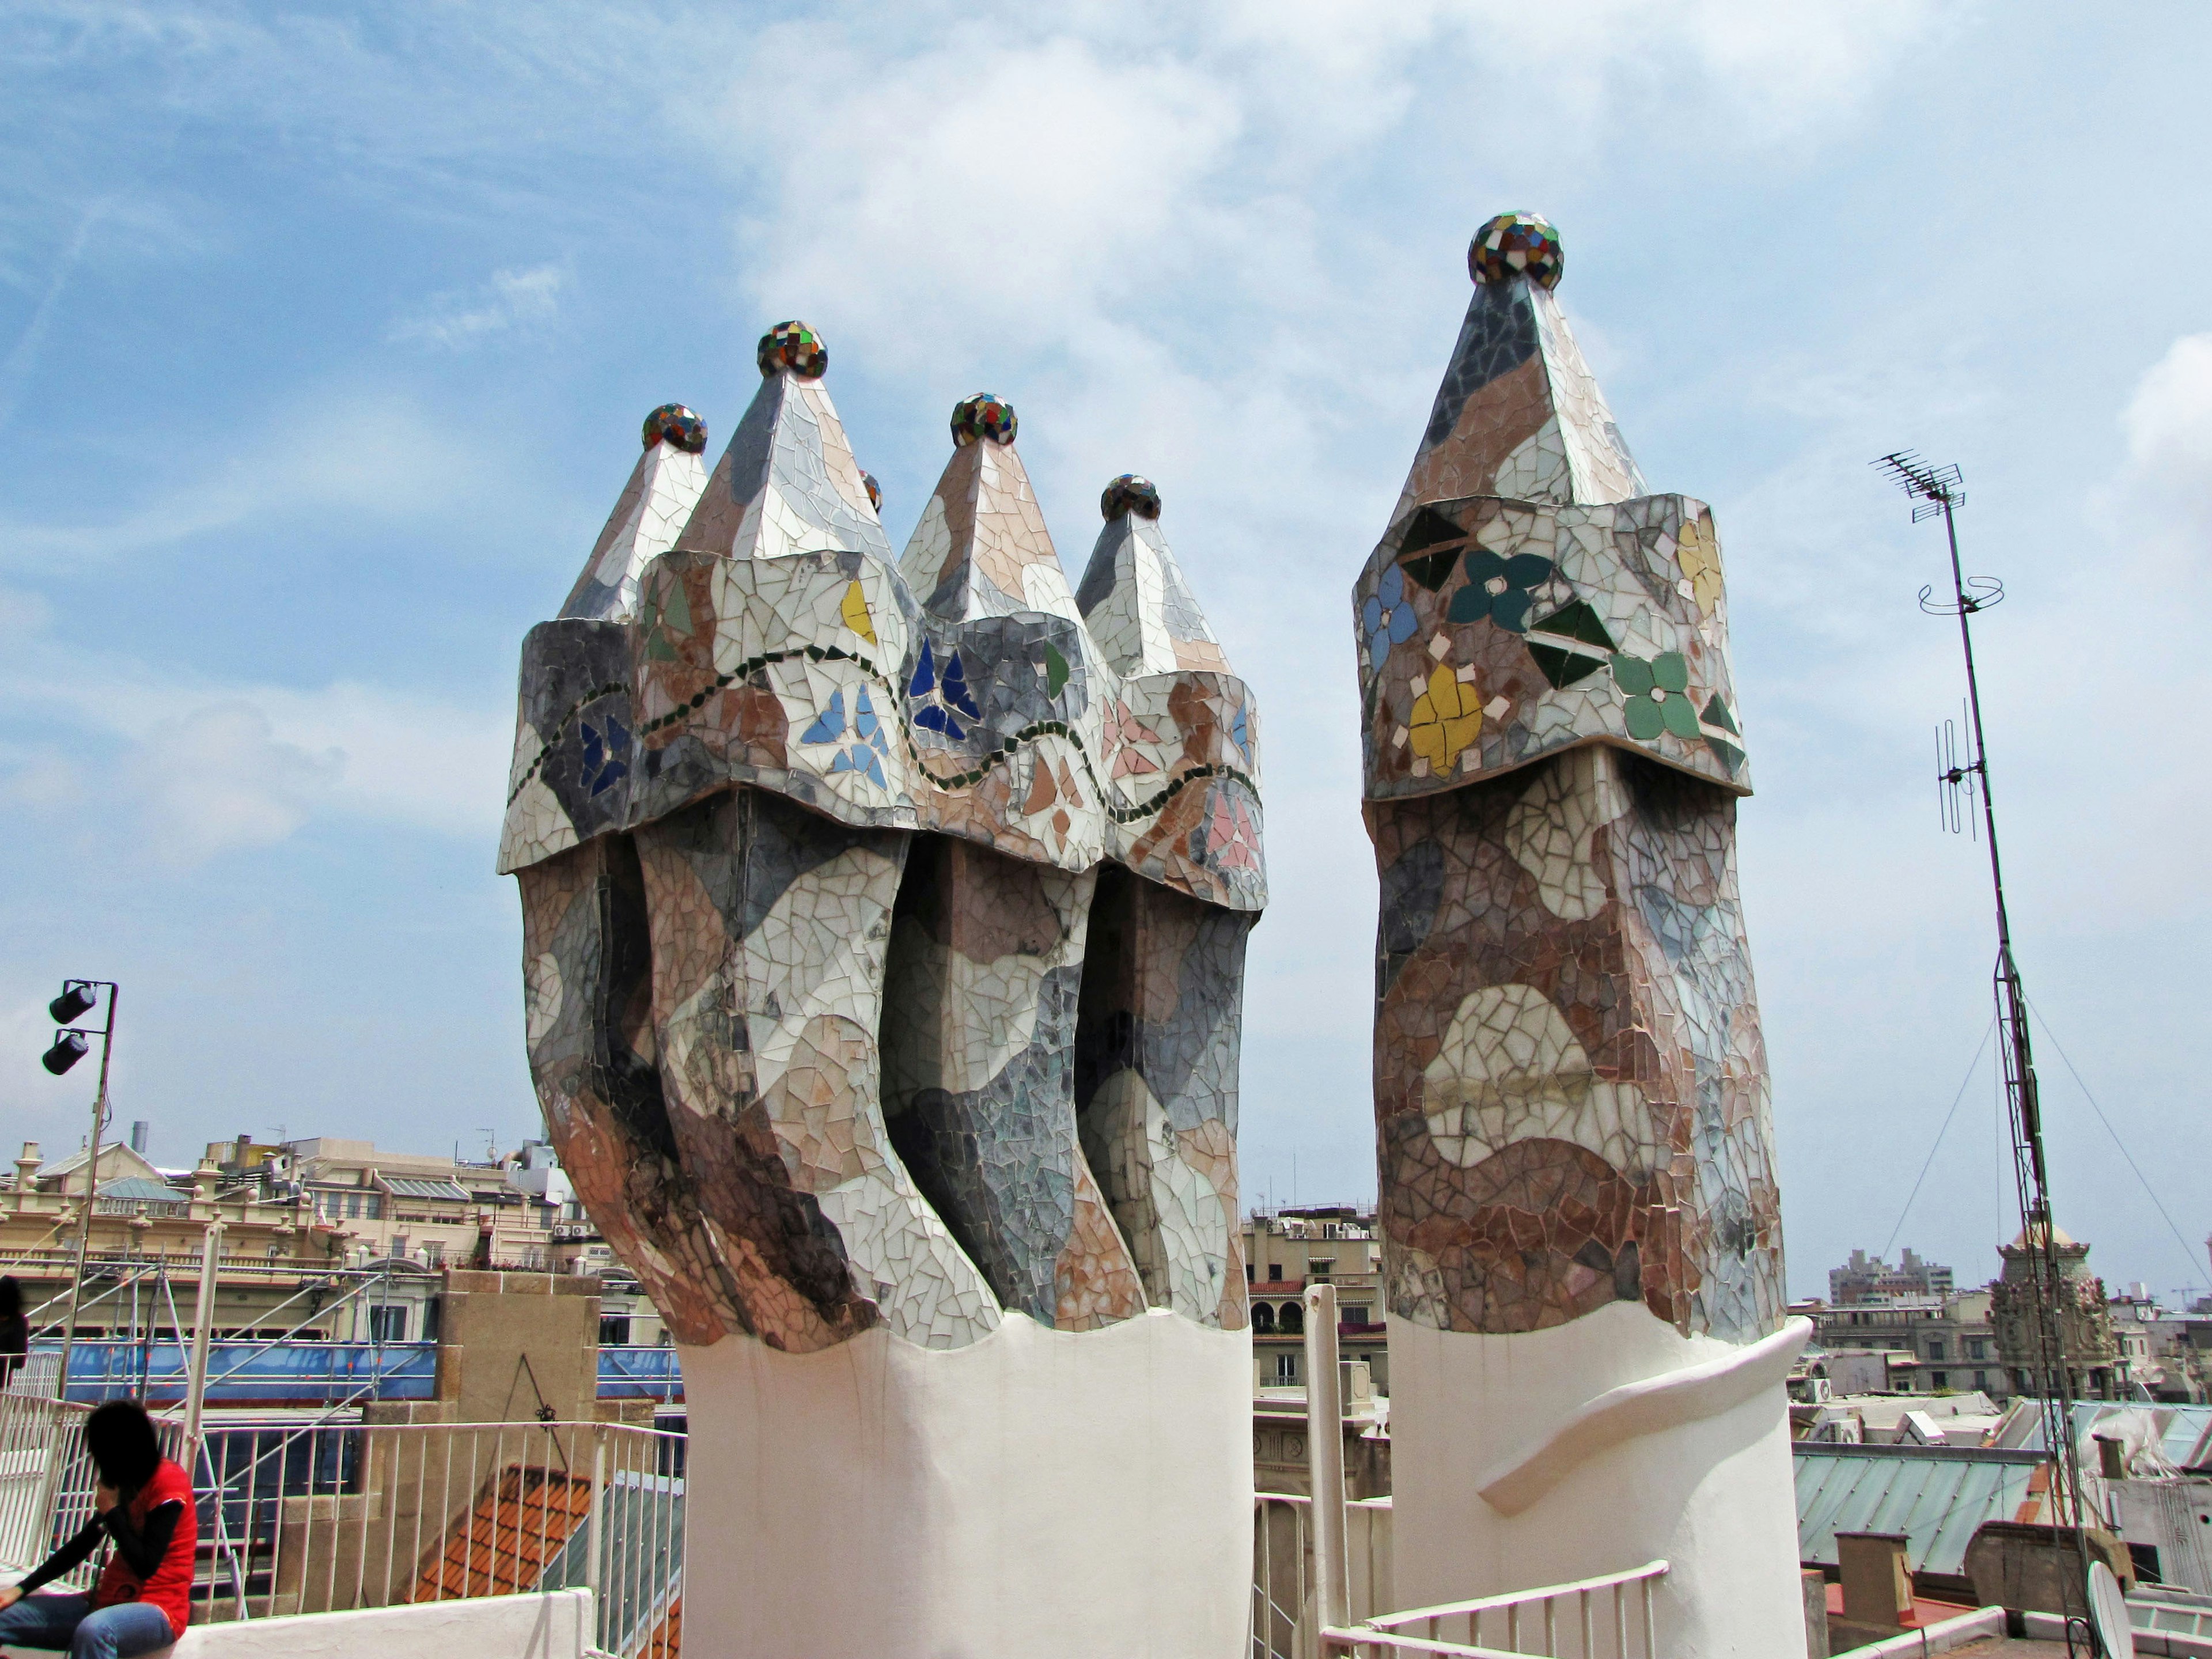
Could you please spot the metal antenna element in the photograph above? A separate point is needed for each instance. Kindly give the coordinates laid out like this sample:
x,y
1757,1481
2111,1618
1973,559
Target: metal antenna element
x,y
1936,490
1954,782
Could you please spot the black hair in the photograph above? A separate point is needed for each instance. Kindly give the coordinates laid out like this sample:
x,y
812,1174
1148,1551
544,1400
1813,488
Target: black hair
x,y
11,1297
120,1438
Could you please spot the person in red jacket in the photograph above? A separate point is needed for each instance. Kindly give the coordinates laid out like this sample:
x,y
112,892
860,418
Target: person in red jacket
x,y
143,1508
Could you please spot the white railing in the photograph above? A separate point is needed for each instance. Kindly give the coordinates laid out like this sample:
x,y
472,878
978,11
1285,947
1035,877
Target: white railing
x,y
1593,1616
332,1517
1286,1612
45,1480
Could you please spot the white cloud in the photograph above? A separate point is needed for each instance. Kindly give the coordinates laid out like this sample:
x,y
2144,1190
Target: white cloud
x,y
219,777
512,301
2168,424
373,454
204,767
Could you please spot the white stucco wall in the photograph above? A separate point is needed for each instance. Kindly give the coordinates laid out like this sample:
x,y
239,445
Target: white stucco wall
x,y
555,1626
1035,1492
1715,1496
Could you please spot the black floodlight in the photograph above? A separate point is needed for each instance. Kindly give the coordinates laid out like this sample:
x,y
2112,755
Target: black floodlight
x,y
69,1048
76,999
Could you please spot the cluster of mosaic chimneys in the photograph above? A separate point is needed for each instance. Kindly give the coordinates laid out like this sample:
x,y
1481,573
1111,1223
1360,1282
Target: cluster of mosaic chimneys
x,y
883,940
886,916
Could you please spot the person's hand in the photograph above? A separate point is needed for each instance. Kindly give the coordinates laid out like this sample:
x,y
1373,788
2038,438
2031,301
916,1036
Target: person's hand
x,y
9,1595
103,1498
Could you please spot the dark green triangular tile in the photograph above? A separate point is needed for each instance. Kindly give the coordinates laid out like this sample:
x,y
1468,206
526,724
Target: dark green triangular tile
x,y
1430,570
1717,713
1563,668
1576,621
1428,527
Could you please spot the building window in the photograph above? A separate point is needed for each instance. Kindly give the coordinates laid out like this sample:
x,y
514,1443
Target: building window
x,y
1291,1320
1939,1379
614,1330
1354,1314
1935,1347
1248,1273
387,1324
434,1252
1275,1270
1286,1370
1974,1348
375,1210
1263,1319
1981,1379
1319,1267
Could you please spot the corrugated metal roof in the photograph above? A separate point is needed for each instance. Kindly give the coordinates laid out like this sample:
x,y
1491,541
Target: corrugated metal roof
x,y
410,1186
1936,1500
2181,1430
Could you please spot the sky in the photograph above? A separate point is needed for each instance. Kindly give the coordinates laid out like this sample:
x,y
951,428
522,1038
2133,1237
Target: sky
x,y
325,333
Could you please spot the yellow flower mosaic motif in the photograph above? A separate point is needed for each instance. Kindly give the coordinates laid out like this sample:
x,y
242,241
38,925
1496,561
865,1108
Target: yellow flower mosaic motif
x,y
856,613
1446,718
1698,549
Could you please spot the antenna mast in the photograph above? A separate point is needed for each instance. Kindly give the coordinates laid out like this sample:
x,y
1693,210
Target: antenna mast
x,y
1938,489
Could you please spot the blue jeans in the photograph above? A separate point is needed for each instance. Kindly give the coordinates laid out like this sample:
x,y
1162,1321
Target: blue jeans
x,y
122,1632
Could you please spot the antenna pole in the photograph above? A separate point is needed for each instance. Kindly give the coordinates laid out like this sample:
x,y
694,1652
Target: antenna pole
x,y
1937,489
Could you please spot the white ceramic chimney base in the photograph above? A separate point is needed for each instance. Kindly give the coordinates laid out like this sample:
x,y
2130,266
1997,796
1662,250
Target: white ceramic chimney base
x,y
1036,1492
1645,1475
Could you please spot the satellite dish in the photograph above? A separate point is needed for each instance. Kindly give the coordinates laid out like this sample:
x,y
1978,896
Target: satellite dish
x,y
2108,1613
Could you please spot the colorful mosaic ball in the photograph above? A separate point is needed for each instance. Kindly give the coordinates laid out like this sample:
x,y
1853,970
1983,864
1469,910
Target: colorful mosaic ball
x,y
875,491
1130,494
796,347
1517,245
983,416
675,425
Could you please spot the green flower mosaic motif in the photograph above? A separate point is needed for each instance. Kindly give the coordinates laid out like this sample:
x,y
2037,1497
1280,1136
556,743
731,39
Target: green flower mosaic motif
x,y
1658,696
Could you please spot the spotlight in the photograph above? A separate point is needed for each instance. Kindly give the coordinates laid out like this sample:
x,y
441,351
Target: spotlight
x,y
73,1001
69,1048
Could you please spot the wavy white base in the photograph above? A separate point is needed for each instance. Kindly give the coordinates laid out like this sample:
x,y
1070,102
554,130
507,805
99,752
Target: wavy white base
x,y
1603,1444
1037,1491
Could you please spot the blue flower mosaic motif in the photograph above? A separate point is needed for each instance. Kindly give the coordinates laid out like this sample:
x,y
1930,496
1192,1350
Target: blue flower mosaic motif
x,y
606,755
1387,617
865,752
940,702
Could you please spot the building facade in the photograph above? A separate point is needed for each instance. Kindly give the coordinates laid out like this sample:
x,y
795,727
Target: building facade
x,y
1870,1279
1285,1251
2089,1346
1930,1343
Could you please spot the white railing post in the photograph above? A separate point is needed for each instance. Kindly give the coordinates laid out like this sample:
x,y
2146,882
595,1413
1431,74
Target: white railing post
x,y
593,1536
1325,1457
203,1320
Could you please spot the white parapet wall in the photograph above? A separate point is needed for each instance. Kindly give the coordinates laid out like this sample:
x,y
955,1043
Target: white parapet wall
x,y
1036,1492
1601,1444
556,1625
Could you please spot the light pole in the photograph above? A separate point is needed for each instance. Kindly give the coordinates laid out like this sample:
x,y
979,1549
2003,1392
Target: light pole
x,y
78,998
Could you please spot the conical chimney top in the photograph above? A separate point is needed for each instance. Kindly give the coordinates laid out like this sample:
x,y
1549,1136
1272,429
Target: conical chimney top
x,y
1133,598
1519,414
981,548
787,484
663,488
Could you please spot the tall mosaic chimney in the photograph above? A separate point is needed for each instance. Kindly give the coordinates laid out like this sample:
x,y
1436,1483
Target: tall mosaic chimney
x,y
1582,1240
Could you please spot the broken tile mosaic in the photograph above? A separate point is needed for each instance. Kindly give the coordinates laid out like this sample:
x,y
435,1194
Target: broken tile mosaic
x,y
884,923
1572,1096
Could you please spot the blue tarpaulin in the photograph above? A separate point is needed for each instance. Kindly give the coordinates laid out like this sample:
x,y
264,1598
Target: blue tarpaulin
x,y
321,1373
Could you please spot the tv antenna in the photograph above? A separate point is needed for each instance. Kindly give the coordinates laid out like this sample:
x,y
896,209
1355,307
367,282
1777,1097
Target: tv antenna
x,y
1938,489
